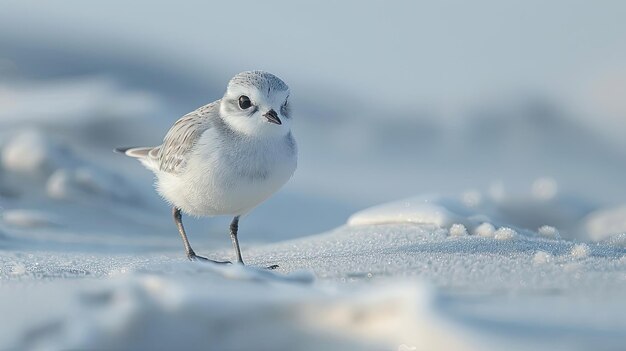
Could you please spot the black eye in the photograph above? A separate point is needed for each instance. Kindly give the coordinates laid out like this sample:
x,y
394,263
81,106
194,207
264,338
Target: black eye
x,y
244,102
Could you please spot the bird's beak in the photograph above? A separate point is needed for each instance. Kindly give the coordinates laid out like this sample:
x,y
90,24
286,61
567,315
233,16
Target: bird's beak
x,y
272,117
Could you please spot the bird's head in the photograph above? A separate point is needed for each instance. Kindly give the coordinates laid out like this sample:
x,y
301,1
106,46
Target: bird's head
x,y
256,104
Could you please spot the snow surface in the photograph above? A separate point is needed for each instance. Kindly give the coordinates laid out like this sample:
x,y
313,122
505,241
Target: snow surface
x,y
605,223
458,230
495,216
372,287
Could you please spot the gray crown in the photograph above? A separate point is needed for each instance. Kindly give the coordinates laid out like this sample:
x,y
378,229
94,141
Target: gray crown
x,y
260,79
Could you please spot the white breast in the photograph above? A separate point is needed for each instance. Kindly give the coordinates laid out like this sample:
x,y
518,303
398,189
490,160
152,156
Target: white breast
x,y
224,177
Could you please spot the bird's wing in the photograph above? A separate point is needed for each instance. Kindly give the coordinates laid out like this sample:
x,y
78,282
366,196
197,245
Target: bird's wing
x,y
173,154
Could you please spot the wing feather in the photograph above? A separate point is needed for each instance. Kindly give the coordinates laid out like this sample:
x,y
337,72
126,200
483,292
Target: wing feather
x,y
174,153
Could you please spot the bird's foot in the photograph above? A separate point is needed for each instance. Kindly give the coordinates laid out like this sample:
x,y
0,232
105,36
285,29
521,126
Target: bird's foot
x,y
270,268
193,257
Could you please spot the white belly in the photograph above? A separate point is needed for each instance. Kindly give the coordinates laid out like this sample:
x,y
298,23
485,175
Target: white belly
x,y
211,185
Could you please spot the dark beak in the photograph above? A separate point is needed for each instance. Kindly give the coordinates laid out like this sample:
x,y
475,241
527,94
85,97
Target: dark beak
x,y
272,117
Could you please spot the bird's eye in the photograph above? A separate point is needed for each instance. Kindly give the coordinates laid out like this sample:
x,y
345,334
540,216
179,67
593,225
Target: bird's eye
x,y
244,102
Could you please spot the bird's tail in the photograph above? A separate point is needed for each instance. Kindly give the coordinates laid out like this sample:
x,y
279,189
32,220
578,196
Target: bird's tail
x,y
146,155
135,152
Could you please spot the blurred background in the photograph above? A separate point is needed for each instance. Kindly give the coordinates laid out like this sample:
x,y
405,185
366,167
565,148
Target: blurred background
x,y
391,100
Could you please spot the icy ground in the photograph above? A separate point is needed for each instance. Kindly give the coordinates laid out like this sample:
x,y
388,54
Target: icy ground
x,y
375,287
86,261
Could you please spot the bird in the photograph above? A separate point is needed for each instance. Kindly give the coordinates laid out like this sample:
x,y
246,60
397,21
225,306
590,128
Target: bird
x,y
226,157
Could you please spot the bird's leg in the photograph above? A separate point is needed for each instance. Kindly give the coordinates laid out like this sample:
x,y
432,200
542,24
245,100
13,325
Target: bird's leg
x,y
178,219
234,227
191,255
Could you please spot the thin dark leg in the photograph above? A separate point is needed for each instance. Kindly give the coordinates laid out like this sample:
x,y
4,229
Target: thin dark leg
x,y
178,219
234,227
181,230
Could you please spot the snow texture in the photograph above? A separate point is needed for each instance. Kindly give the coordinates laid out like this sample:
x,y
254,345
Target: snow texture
x,y
485,229
605,223
355,288
504,234
548,232
458,230
580,251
